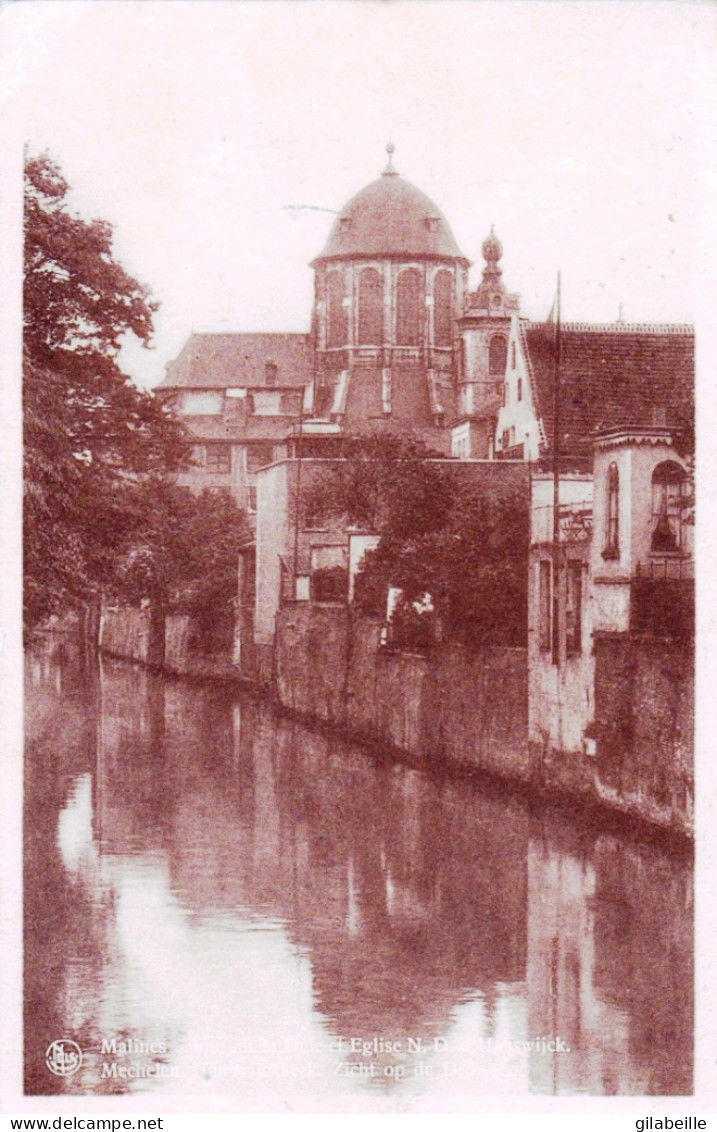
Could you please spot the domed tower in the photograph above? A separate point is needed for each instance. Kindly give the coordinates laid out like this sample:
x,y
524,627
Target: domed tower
x,y
389,286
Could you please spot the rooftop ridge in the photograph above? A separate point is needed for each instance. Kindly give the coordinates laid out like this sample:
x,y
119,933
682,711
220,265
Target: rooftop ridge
x,y
619,327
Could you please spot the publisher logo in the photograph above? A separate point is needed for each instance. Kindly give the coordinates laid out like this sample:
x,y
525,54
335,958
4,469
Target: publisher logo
x,y
63,1058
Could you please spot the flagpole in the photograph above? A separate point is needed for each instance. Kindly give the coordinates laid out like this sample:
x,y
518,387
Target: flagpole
x,y
299,447
556,483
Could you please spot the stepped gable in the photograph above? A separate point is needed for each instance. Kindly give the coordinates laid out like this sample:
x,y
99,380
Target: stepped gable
x,y
612,375
223,361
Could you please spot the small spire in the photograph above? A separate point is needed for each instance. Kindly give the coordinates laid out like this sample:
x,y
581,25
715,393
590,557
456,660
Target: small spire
x,y
620,317
389,171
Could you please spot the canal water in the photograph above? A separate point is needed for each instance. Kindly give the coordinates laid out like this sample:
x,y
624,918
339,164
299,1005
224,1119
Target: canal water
x,y
221,901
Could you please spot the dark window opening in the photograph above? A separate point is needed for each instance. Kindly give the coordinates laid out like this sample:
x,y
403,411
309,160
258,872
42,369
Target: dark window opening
x,y
574,608
442,308
408,297
258,456
219,458
612,539
330,584
338,323
544,612
370,312
497,354
271,372
668,493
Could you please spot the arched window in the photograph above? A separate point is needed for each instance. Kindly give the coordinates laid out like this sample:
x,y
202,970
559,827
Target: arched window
x,y
370,308
668,492
338,323
497,354
612,525
442,308
408,307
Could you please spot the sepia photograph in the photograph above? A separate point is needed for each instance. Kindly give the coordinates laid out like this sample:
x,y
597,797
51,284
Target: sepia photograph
x,y
357,347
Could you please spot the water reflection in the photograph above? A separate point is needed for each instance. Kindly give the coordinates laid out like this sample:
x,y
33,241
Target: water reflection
x,y
219,900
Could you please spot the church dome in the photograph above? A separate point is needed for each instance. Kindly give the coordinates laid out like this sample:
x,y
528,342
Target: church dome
x,y
390,217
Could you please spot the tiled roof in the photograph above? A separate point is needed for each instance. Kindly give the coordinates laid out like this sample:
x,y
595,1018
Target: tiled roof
x,y
223,361
612,375
391,217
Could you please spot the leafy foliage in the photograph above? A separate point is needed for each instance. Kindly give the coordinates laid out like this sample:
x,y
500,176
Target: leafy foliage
x,y
90,434
184,549
458,533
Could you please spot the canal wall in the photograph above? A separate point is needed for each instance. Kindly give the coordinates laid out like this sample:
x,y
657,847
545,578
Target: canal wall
x,y
170,642
450,707
644,725
456,708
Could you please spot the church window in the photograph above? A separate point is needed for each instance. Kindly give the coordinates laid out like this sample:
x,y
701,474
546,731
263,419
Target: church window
x,y
370,312
668,484
520,389
497,354
408,296
513,362
612,540
338,321
442,308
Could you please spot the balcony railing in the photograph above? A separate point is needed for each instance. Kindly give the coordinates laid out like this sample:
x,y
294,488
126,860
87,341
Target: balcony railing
x,y
672,567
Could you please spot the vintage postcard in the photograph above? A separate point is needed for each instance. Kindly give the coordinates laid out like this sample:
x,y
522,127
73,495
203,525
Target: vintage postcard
x,y
360,481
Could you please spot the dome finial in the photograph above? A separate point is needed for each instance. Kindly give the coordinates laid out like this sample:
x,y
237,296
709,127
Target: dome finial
x,y
389,171
492,250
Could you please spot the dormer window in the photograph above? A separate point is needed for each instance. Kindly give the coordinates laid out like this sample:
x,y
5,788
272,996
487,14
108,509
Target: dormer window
x,y
346,223
433,223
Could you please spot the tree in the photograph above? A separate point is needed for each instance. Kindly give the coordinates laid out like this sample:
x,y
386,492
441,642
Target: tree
x,y
456,533
182,554
89,432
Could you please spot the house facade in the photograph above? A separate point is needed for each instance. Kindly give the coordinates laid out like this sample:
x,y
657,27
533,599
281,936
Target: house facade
x,y
238,396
